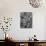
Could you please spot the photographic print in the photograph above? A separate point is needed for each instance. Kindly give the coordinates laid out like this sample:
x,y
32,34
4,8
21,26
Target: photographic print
x,y
26,20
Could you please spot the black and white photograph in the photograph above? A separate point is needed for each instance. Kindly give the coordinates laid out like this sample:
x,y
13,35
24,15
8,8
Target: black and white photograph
x,y
26,20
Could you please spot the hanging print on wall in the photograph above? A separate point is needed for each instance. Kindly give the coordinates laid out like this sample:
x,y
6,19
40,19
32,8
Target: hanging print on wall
x,y
26,20
35,3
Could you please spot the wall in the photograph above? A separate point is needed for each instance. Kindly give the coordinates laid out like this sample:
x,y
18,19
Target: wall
x,y
12,8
